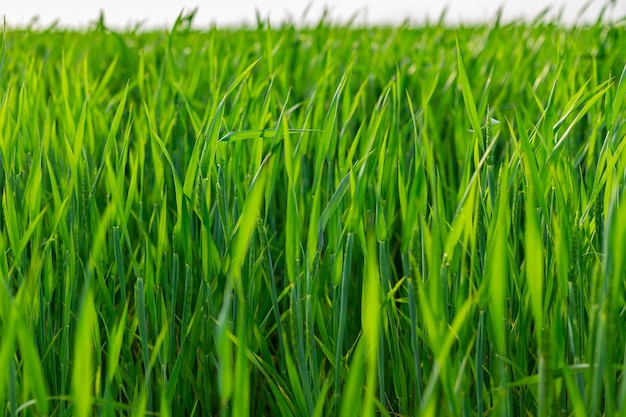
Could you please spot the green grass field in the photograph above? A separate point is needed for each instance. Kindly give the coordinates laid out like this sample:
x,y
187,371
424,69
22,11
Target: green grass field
x,y
323,221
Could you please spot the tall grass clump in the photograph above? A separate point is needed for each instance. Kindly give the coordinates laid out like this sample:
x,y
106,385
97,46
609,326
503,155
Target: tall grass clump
x,y
315,221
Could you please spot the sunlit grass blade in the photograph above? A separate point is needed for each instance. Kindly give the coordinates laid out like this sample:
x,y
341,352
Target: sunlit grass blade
x,y
83,371
371,327
468,98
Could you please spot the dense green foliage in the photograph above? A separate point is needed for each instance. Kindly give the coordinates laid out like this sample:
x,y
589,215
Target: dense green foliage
x,y
325,221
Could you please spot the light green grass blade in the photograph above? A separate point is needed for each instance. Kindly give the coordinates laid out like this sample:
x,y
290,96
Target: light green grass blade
x,y
83,370
371,314
468,98
351,400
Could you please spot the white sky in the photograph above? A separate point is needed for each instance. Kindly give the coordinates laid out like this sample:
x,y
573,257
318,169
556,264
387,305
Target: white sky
x,y
120,13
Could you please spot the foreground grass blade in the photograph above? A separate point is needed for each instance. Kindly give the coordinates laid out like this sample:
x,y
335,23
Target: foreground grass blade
x,y
83,370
